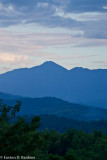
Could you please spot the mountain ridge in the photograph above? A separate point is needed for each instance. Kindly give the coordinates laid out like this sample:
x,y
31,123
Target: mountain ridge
x,y
59,107
55,64
78,85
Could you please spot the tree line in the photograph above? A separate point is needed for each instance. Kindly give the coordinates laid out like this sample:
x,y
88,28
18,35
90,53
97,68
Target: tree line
x,y
23,139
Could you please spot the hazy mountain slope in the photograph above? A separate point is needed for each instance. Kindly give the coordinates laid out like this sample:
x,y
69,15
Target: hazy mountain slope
x,y
61,124
6,96
49,105
77,85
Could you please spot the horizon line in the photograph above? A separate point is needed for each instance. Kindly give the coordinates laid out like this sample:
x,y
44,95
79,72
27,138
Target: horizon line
x,y
53,62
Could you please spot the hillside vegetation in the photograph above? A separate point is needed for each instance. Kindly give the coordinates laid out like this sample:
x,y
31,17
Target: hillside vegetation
x,y
22,138
51,105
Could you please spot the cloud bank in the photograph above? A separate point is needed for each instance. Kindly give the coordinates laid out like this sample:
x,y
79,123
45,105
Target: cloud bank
x,y
69,14
31,30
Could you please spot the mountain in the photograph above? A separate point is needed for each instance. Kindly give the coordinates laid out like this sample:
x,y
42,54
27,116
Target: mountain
x,y
51,105
78,85
6,96
61,124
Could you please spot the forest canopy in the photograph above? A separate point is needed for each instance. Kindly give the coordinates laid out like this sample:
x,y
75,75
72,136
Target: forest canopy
x,y
23,139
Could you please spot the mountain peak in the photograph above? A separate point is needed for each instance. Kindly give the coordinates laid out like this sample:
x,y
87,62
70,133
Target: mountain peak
x,y
51,65
79,69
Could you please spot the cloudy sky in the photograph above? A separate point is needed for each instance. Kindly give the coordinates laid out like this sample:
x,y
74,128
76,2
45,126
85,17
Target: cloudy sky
x,y
72,33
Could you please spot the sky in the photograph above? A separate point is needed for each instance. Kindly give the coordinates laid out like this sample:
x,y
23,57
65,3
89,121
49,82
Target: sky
x,y
72,33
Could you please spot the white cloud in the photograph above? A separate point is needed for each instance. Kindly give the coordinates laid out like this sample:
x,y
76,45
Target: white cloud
x,y
26,49
104,7
42,5
10,61
5,7
85,16
35,28
12,58
21,50
35,43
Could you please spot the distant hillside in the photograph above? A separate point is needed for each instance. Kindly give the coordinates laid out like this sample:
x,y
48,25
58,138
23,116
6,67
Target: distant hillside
x,y
78,85
61,124
8,96
49,105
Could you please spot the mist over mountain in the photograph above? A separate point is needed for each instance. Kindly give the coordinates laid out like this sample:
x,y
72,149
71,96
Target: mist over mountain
x,y
52,105
6,96
78,85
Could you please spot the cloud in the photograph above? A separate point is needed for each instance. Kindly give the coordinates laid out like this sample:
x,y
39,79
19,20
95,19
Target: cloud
x,y
85,16
10,61
104,7
86,6
12,58
7,8
56,28
42,5
26,49
66,58
96,29
102,63
93,24
35,43
10,15
66,14
91,42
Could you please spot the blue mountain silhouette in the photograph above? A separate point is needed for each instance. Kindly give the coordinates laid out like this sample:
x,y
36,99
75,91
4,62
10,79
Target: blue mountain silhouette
x,y
78,85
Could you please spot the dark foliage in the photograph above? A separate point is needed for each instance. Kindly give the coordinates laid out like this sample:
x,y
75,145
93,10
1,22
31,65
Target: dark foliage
x,y
61,124
22,138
